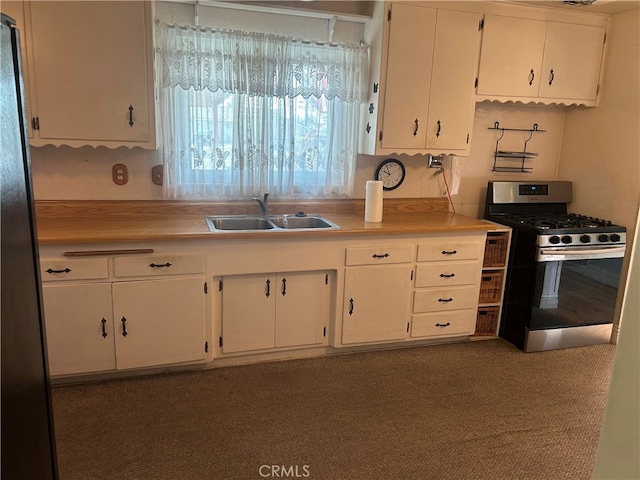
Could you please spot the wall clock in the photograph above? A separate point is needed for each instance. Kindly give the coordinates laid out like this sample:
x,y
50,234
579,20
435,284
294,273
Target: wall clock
x,y
391,172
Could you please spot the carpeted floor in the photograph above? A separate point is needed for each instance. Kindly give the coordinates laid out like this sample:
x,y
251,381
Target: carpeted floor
x,y
479,410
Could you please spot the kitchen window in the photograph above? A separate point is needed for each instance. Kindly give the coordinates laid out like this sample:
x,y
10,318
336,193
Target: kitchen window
x,y
247,113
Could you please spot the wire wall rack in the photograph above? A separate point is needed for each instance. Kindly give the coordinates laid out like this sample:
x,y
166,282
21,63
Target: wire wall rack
x,y
509,155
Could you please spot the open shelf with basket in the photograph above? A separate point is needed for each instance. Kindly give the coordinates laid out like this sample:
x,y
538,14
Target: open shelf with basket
x,y
494,270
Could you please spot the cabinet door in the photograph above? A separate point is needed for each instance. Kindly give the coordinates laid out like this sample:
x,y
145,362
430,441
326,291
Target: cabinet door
x,y
302,301
572,61
248,312
89,77
159,322
451,101
512,49
376,303
408,76
79,328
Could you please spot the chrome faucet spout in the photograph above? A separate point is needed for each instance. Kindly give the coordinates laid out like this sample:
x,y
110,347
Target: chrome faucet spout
x,y
264,204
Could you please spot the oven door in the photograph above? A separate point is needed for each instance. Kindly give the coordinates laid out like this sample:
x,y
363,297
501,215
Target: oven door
x,y
575,288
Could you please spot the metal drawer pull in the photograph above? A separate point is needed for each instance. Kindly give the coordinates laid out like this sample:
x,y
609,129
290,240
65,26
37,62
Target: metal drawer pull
x,y
443,324
351,306
380,256
268,284
438,129
130,115
66,270
449,252
124,326
450,275
159,265
551,77
533,76
445,300
415,130
104,330
284,287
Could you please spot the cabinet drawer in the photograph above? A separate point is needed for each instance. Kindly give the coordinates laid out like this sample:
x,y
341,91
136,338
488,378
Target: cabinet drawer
x,y
452,298
438,274
379,255
443,324
450,249
65,269
158,265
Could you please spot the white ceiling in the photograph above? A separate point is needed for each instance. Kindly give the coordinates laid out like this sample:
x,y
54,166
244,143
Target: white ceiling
x,y
608,7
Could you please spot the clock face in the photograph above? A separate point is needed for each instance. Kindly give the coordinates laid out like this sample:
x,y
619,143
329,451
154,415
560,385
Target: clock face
x,y
391,172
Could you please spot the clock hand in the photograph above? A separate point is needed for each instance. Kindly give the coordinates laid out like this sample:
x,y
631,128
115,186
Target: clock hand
x,y
387,170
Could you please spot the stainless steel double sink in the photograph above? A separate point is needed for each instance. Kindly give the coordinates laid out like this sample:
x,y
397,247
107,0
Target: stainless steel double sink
x,y
299,221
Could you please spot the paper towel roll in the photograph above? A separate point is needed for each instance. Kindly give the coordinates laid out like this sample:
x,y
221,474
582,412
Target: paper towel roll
x,y
373,201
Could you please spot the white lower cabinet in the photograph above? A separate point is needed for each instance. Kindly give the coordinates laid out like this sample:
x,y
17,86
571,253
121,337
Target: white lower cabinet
x,y
376,303
79,328
159,322
274,310
94,323
377,293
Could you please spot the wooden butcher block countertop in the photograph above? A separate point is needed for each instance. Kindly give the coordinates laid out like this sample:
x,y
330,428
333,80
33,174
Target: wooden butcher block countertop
x,y
74,222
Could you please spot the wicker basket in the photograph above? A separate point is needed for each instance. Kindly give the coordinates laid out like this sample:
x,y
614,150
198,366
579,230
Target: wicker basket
x,y
495,250
490,287
487,321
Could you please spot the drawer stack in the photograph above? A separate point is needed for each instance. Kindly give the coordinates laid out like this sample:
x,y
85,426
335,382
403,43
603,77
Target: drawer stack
x,y
446,286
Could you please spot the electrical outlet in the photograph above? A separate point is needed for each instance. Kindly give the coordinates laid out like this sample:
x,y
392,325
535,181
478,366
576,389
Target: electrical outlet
x,y
120,174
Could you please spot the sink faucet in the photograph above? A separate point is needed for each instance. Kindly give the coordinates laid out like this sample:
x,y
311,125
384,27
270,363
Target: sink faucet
x,y
264,204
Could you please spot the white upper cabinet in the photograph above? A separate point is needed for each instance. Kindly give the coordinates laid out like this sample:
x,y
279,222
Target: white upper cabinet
x,y
535,60
422,92
91,73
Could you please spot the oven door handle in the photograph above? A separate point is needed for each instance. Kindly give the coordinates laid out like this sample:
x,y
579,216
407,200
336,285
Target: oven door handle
x,y
580,254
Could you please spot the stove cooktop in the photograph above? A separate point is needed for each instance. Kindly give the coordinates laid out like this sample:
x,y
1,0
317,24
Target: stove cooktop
x,y
561,223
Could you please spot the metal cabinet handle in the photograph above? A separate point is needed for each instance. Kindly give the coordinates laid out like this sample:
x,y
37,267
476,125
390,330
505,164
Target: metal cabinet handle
x,y
160,265
445,300
443,324
284,287
124,326
268,284
415,130
449,252
438,129
351,306
447,275
104,330
130,116
533,75
375,255
50,270
551,77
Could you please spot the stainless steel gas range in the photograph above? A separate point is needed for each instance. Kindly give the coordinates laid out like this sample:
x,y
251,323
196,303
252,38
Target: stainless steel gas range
x,y
564,268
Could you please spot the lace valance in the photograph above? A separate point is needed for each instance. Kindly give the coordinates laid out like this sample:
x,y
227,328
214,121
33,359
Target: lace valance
x,y
260,64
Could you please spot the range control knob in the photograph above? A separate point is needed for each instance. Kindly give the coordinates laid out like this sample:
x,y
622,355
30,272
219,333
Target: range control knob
x,y
554,239
566,239
603,238
615,237
585,238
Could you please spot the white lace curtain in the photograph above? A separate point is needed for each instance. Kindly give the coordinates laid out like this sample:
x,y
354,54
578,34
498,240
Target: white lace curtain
x,y
247,113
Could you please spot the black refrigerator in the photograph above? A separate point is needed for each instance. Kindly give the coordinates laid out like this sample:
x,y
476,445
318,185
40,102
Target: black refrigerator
x,y
28,447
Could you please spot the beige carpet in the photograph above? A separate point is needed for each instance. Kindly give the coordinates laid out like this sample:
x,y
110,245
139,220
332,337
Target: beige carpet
x,y
479,410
